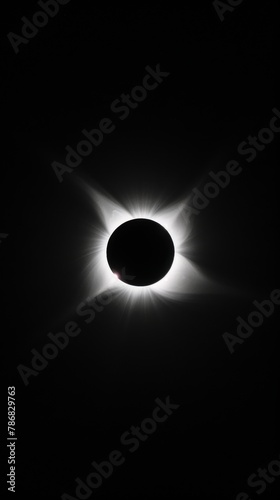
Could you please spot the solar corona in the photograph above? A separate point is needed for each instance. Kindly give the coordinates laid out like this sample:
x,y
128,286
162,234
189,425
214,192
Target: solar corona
x,y
138,248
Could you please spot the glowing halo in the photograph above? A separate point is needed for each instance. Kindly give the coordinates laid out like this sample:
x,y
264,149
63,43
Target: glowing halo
x,y
183,278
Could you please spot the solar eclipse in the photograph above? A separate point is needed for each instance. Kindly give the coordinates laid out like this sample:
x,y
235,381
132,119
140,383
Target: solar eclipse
x,y
143,248
138,249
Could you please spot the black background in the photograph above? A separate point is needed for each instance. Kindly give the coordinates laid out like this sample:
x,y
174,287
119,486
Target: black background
x,y
221,88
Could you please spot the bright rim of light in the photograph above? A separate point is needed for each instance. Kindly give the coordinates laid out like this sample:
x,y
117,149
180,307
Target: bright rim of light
x,y
182,278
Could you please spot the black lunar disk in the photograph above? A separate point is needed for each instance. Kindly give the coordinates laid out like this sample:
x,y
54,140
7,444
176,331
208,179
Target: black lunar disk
x,y
140,252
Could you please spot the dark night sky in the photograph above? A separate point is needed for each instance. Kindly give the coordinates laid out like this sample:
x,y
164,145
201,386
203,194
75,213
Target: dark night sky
x,y
221,88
